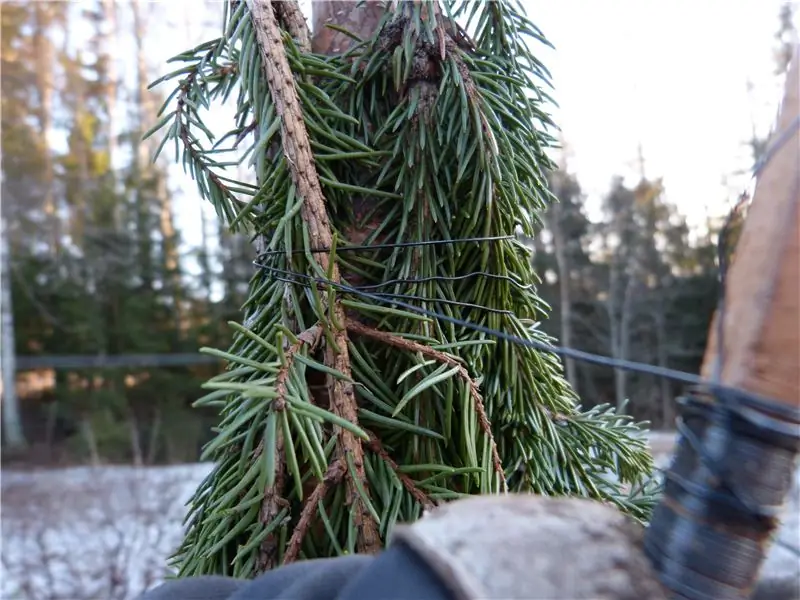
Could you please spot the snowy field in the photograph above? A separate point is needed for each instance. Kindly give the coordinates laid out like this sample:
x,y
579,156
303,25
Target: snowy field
x,y
82,533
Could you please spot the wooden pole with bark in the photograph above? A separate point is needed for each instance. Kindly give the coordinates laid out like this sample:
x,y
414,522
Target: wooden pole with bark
x,y
737,452
761,349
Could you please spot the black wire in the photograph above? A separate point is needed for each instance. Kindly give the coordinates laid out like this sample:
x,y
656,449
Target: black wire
x,y
411,281
759,410
580,355
494,238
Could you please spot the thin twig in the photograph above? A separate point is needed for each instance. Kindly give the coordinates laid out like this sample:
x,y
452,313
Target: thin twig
x,y
474,390
334,475
274,501
271,505
310,337
297,150
408,483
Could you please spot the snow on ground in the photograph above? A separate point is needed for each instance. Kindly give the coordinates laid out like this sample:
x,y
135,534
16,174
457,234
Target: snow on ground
x,y
106,533
84,533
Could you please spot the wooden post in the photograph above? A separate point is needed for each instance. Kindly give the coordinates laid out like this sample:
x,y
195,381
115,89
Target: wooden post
x,y
732,469
761,336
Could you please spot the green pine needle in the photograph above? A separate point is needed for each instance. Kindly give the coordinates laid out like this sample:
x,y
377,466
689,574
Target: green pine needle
x,y
457,155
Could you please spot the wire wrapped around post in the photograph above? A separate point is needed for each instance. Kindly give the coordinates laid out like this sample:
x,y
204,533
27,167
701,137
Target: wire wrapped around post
x,y
723,494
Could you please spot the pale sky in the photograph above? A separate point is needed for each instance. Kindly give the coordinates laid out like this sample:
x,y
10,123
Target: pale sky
x,y
670,75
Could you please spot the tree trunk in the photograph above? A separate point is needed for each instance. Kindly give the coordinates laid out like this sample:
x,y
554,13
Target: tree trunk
x,y
614,311
564,285
155,431
89,437
667,401
206,273
623,352
169,251
43,48
12,421
359,18
136,444
141,157
109,45
169,259
226,253
203,257
50,425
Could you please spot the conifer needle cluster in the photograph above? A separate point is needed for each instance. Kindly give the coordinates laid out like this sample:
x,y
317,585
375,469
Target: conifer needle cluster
x,y
391,179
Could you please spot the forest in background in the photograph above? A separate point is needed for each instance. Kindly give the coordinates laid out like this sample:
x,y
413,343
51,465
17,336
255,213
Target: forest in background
x,y
95,265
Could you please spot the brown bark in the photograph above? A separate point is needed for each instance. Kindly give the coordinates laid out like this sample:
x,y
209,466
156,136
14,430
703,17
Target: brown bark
x,y
761,325
361,20
292,17
271,505
296,147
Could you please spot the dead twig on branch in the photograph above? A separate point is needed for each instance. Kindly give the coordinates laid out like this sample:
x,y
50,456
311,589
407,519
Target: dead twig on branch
x,y
297,149
474,390
332,477
274,502
408,483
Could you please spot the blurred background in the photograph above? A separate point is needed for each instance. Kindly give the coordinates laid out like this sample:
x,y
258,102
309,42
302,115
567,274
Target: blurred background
x,y
115,273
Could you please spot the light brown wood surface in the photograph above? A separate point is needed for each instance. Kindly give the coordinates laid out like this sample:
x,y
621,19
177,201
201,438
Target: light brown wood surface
x,y
762,327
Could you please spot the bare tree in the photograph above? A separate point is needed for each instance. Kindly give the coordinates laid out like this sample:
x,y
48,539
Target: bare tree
x,y
564,279
12,421
43,47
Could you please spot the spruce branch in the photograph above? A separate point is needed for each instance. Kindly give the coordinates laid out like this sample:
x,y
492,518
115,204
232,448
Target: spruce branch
x,y
297,151
274,502
193,92
202,167
425,501
333,476
474,389
441,139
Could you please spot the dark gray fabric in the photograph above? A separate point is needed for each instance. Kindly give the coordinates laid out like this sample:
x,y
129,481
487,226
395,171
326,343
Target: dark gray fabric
x,y
396,574
207,587
399,573
777,588
305,580
320,578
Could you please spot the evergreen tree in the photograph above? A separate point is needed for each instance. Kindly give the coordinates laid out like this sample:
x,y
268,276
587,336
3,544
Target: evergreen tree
x,y
87,276
355,395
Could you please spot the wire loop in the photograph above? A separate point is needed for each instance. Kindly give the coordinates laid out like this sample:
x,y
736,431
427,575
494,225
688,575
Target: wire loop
x,y
723,495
